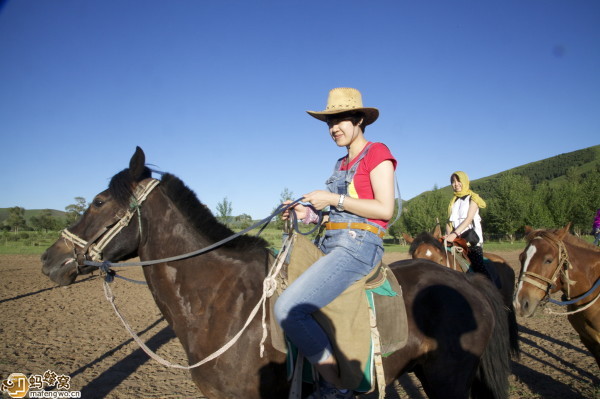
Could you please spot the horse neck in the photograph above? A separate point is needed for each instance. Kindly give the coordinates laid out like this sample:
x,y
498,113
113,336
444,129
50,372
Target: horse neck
x,y
584,268
202,290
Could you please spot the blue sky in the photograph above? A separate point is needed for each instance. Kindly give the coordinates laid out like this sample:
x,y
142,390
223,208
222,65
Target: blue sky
x,y
215,92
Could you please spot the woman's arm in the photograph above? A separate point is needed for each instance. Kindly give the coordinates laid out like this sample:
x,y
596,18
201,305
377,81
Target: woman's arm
x,y
381,207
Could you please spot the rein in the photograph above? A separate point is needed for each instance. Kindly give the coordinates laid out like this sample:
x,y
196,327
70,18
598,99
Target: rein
x,y
105,236
457,251
269,287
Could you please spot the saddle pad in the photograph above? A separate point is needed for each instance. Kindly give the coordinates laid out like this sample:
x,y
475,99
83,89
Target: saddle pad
x,y
390,311
346,319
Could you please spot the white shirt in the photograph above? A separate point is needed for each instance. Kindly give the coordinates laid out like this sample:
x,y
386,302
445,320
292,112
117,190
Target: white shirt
x,y
459,212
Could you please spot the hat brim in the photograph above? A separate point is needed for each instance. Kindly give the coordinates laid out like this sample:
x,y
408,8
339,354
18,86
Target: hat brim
x,y
371,114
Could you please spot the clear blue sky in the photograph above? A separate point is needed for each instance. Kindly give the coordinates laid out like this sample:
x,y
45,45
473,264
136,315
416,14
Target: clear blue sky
x,y
215,92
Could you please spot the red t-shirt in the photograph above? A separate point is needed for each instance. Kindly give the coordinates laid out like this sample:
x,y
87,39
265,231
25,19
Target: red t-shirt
x,y
361,182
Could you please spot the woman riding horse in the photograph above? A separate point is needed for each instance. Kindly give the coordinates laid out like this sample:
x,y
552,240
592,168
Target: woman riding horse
x,y
361,199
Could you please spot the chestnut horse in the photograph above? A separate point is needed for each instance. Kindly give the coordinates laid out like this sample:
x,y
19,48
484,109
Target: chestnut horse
x,y
458,339
555,260
430,246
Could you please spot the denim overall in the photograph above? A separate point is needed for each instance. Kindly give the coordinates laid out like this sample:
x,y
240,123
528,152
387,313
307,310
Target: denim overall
x,y
351,254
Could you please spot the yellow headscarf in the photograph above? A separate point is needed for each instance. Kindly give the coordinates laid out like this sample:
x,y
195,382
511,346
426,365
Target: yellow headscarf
x,y
464,179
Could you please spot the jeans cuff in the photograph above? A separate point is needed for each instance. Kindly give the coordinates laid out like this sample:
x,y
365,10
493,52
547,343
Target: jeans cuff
x,y
320,356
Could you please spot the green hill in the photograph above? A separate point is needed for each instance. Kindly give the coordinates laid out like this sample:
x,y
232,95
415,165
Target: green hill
x,y
29,213
552,170
548,193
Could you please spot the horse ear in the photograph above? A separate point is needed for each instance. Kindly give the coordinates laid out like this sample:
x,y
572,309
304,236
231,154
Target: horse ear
x,y
408,238
437,231
563,232
528,229
137,164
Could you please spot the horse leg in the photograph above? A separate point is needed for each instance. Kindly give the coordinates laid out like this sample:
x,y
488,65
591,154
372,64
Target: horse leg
x,y
448,377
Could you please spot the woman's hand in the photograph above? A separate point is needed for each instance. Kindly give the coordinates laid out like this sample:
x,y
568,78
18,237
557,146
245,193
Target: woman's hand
x,y
321,199
298,208
451,237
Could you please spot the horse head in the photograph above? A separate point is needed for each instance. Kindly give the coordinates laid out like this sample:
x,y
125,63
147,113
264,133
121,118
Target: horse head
x,y
91,236
543,264
426,246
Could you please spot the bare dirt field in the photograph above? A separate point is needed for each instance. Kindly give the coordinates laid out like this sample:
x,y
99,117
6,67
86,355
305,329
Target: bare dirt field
x,y
73,331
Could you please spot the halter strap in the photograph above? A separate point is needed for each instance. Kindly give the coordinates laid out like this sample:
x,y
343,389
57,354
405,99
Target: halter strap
x,y
94,249
562,268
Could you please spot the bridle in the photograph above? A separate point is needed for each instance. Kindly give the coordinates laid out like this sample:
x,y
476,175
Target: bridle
x,y
562,268
93,248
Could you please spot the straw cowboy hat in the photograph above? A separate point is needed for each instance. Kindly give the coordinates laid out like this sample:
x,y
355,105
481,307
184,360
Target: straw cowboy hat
x,y
344,99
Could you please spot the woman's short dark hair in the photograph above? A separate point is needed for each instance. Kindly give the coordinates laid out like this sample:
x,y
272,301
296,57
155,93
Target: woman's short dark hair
x,y
354,116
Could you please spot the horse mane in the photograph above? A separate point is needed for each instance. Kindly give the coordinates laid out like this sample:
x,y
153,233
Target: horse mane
x,y
425,238
578,242
200,216
569,238
121,185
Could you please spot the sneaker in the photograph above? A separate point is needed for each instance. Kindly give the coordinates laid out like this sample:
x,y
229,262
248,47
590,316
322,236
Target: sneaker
x,y
331,393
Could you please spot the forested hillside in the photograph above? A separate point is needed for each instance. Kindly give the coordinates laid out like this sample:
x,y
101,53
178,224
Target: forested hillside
x,y
545,194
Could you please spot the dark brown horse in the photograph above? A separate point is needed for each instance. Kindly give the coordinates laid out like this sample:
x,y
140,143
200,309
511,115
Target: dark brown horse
x,y
555,260
430,246
458,338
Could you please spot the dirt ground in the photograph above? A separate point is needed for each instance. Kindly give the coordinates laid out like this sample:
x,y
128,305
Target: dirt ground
x,y
73,331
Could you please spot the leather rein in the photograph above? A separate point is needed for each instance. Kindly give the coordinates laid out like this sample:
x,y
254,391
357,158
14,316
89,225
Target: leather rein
x,y
90,252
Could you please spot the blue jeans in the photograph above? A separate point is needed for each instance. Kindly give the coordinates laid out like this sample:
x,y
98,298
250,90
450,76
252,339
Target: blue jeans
x,y
350,255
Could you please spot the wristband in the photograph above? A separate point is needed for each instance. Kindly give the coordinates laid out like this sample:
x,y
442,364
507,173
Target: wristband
x,y
340,205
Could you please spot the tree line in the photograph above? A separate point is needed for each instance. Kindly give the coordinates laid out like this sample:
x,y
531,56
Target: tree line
x,y
513,202
45,221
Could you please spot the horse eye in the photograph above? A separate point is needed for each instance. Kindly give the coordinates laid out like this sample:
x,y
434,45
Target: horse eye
x,y
98,202
548,261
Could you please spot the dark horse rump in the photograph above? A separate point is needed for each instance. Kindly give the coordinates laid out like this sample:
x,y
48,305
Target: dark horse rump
x,y
457,343
447,317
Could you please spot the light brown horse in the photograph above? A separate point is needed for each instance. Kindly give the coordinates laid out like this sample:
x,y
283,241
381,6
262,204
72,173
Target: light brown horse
x,y
555,260
430,246
458,338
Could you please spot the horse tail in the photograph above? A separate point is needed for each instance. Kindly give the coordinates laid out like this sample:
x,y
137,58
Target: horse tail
x,y
513,332
491,380
508,293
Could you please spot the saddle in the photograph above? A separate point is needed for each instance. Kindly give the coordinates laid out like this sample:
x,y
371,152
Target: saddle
x,y
365,322
459,250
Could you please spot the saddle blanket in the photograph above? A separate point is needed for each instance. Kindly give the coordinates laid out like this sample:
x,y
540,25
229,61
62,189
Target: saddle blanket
x,y
346,320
